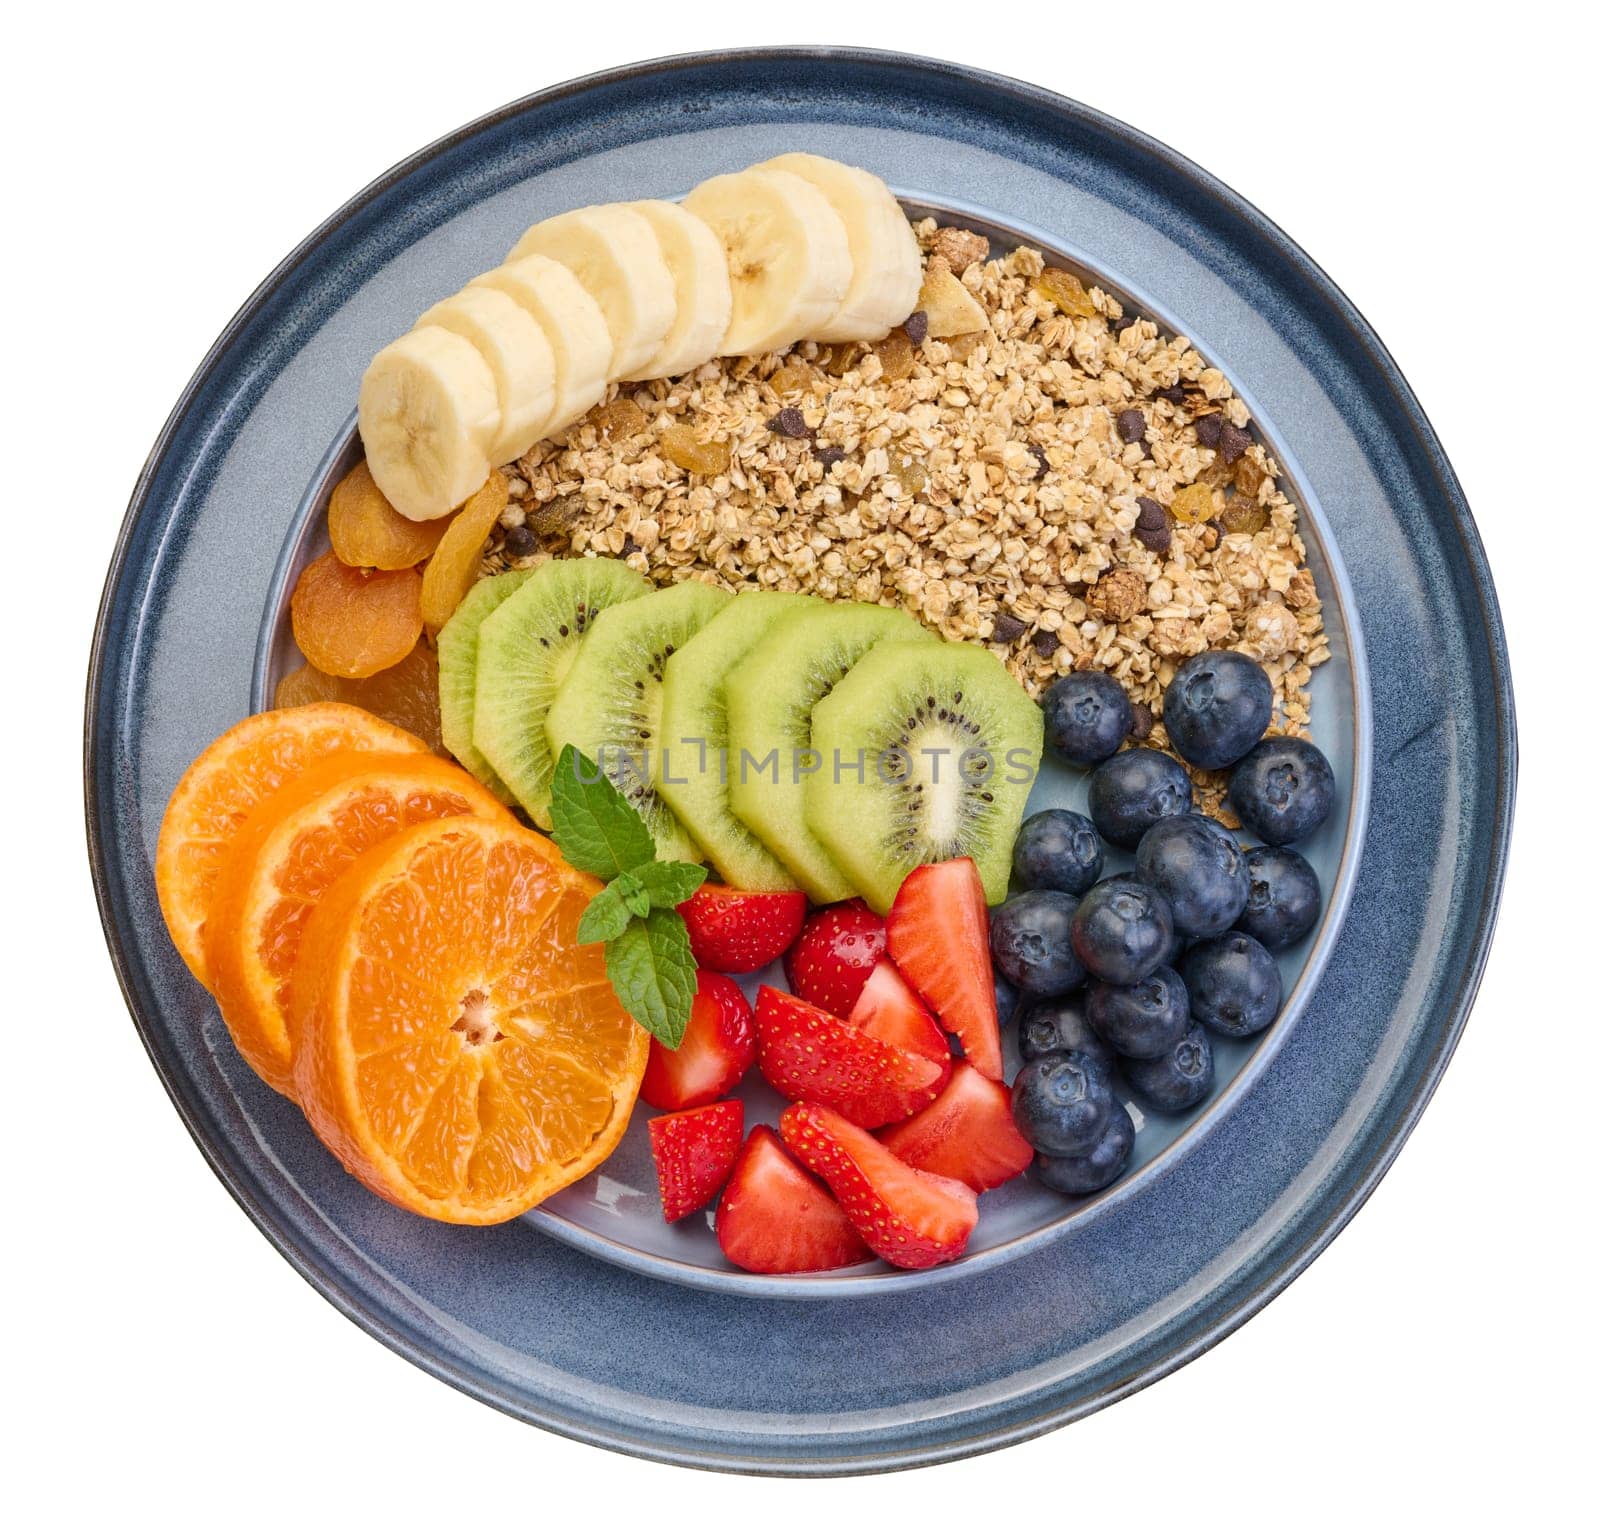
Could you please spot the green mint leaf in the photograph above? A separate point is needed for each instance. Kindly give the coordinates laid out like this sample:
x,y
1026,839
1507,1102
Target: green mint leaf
x,y
634,894
597,830
670,883
607,916
652,970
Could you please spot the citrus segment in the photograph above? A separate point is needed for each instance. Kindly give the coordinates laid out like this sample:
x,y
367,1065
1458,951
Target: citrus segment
x,y
406,694
289,852
352,623
230,778
454,1045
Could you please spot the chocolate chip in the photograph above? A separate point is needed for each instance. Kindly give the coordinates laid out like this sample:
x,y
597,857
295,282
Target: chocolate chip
x,y
1037,451
917,327
828,455
1008,628
1143,721
1172,394
519,542
1154,528
1130,426
1123,323
1047,642
1208,429
790,424
1233,443
630,546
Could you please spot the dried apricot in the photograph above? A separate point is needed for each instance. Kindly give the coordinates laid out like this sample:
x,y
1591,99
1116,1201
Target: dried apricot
x,y
895,354
406,694
367,531
620,418
454,568
683,449
1064,290
1194,504
352,623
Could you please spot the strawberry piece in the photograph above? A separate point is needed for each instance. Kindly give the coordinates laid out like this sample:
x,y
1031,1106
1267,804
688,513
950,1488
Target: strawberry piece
x,y
909,1218
966,1134
717,1049
836,952
731,931
695,1151
774,1218
807,1054
939,938
889,1010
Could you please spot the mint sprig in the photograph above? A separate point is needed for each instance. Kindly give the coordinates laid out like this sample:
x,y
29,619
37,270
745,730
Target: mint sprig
x,y
648,958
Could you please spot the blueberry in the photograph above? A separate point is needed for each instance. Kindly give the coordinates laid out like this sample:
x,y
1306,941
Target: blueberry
x,y
1057,849
1062,1105
1177,1079
1217,706
1030,937
1123,930
1282,790
1129,793
1060,1025
1140,1020
1198,865
1234,985
1285,898
1086,717
1006,999
1095,1169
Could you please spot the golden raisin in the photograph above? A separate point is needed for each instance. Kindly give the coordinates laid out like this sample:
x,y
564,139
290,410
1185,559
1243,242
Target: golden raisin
x,y
962,345
620,418
791,378
454,568
406,694
1242,515
1064,290
1248,474
1194,504
840,358
909,471
895,354
367,531
684,450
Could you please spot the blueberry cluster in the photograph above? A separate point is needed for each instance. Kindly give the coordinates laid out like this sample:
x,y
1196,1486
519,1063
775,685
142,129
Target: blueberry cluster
x,y
1130,975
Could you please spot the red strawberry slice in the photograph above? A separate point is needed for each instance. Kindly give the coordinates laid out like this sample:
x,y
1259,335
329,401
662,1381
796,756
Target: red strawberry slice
x,y
731,931
966,1134
774,1218
695,1152
910,1218
717,1049
838,949
807,1054
890,1011
939,938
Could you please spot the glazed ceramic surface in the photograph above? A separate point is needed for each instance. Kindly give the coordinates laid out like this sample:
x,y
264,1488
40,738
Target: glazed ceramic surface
x,y
829,1375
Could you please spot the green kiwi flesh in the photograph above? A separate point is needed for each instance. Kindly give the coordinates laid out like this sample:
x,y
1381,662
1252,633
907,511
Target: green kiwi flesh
x,y
458,675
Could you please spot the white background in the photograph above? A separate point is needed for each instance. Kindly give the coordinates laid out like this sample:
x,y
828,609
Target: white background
x,y
161,159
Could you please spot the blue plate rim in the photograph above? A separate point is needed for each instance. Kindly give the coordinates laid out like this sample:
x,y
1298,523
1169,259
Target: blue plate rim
x,y
287,1234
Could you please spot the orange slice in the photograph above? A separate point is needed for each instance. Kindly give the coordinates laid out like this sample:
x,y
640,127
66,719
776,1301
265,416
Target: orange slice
x,y
287,855
454,1045
225,782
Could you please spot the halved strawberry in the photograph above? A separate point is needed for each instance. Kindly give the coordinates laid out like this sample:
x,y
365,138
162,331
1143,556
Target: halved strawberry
x,y
695,1151
966,1134
907,1217
807,1054
836,951
717,1049
732,931
889,1010
939,938
774,1218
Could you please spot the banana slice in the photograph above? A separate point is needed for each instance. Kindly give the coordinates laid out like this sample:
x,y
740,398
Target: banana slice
x,y
788,255
518,355
883,249
618,260
572,322
705,298
428,413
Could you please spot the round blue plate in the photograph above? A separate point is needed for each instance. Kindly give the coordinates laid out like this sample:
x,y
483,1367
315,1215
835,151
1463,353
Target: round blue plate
x,y
1218,1223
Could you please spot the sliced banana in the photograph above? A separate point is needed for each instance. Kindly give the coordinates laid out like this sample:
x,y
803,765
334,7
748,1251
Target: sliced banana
x,y
428,414
572,322
788,255
705,298
883,249
518,354
618,260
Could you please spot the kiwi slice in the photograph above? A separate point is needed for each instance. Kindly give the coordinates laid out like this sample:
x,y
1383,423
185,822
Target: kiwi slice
x,y
609,706
694,737
950,744
525,648
771,694
458,675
